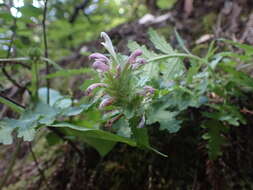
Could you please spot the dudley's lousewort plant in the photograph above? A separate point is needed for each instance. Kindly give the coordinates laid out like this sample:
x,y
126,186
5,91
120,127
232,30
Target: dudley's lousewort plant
x,y
131,94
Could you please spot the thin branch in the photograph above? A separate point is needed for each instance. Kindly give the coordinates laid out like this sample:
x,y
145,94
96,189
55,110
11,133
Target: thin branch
x,y
7,75
13,81
41,172
16,63
71,143
77,8
12,163
46,48
11,103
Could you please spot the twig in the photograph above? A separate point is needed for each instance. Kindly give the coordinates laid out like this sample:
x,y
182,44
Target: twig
x,y
12,163
79,7
16,63
71,143
6,74
46,48
41,172
9,53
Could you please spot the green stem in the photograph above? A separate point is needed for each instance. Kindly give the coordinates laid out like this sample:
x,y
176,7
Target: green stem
x,y
176,55
35,81
14,59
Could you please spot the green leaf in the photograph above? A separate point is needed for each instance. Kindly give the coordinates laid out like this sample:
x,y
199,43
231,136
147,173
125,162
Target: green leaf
x,y
102,146
5,15
30,11
159,42
53,139
214,137
158,113
181,42
28,122
227,113
70,72
122,128
55,98
247,48
81,131
5,132
142,139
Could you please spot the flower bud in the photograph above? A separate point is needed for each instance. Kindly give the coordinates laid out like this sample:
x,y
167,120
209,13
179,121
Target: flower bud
x,y
93,86
100,66
106,102
134,55
139,62
99,57
149,89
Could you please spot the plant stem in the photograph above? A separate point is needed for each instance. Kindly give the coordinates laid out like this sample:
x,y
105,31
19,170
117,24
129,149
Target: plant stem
x,y
46,49
176,55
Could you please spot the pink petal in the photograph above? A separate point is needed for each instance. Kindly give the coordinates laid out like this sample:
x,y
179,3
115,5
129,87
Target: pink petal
x,y
106,102
99,56
98,65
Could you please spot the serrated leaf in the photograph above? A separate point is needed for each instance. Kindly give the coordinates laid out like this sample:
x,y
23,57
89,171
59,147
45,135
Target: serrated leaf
x,y
158,113
28,122
214,137
159,42
5,132
172,126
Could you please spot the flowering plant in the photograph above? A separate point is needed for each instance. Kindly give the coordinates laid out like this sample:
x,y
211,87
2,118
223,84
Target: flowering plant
x,y
119,76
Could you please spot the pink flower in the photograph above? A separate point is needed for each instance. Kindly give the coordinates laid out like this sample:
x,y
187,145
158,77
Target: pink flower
x,y
93,86
134,55
100,66
99,57
106,102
